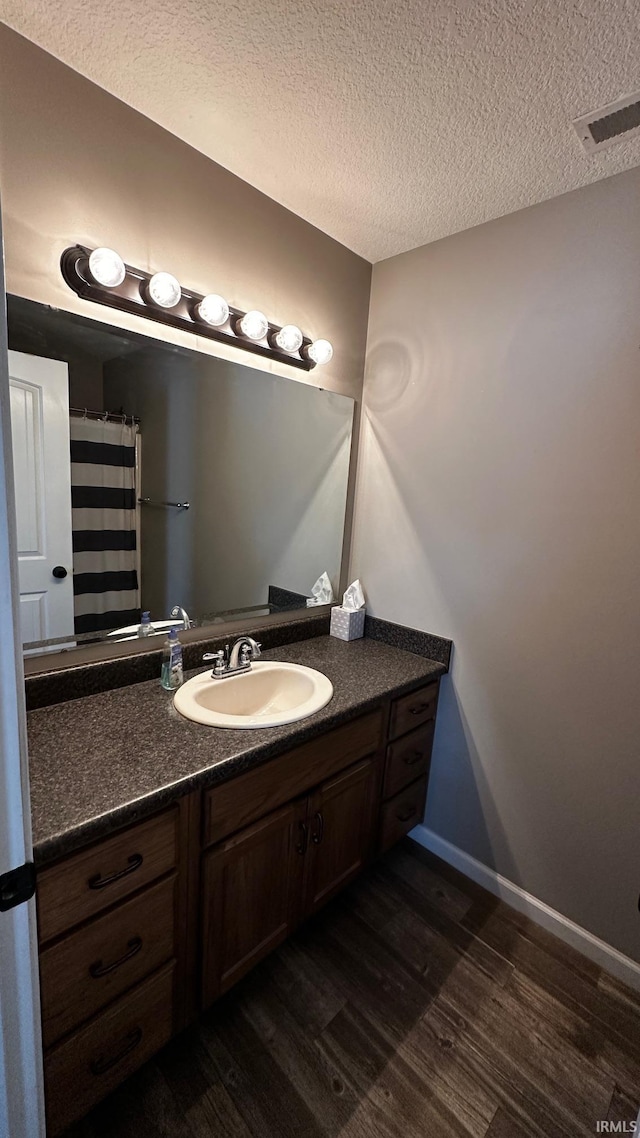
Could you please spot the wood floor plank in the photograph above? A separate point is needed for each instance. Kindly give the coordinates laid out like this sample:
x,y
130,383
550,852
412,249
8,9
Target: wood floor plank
x,y
485,906
449,942
619,1018
262,1094
306,992
620,1066
443,895
327,1094
520,1044
620,994
504,1125
623,1108
392,1094
427,941
143,1107
454,1083
367,972
368,899
199,1094
504,928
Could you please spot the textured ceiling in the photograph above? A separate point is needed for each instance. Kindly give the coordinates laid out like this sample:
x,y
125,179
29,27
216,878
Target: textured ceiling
x,y
386,123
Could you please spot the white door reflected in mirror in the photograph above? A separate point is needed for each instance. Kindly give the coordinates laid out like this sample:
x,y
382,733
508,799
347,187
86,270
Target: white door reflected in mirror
x,y
39,391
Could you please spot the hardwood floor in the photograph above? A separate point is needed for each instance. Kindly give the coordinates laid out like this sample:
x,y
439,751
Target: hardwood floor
x,y
414,1006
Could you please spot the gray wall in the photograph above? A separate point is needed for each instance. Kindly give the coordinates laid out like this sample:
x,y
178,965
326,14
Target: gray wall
x,y
498,503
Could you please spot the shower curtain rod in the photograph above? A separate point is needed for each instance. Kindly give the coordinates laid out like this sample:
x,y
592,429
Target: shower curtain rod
x,y
106,416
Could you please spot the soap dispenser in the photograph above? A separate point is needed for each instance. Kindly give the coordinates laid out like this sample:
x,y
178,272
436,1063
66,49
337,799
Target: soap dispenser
x,y
172,676
145,628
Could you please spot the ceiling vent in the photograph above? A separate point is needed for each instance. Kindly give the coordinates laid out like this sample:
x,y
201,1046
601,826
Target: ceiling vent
x,y
614,123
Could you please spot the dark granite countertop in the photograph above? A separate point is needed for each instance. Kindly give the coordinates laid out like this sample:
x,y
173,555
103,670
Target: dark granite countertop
x,y
105,760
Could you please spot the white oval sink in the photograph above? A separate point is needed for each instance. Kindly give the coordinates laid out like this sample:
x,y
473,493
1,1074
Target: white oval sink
x,y
268,695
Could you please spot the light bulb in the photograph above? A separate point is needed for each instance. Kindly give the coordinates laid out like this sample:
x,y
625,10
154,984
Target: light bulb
x,y
254,325
320,351
213,309
164,290
107,268
289,338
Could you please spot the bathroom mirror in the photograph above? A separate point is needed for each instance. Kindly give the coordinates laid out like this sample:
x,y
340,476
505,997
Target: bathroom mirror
x,y
154,477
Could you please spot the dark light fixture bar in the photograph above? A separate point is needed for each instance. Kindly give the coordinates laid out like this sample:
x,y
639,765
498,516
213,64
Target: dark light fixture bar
x,y
131,290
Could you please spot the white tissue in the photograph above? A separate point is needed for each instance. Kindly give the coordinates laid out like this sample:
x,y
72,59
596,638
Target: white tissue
x,y
353,598
322,593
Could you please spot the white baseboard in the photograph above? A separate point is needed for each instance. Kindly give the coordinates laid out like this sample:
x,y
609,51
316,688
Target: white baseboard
x,y
591,946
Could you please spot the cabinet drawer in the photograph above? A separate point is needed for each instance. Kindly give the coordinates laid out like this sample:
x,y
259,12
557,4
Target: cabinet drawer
x,y
235,804
83,1069
92,966
411,710
95,878
402,812
408,758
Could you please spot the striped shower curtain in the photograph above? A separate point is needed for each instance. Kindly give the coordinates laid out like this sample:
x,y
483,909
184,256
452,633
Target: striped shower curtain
x,y
104,521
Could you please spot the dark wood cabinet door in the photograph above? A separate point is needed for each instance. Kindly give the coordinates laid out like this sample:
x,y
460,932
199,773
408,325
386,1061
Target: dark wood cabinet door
x,y
341,831
251,889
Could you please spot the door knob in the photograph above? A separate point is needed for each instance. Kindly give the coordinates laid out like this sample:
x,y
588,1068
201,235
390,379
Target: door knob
x,y
59,571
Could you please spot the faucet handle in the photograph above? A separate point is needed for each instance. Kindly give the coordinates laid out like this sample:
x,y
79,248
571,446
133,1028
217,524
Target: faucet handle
x,y
250,650
219,661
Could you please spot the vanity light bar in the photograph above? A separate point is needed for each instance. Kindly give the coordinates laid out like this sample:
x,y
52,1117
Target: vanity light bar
x,y
102,276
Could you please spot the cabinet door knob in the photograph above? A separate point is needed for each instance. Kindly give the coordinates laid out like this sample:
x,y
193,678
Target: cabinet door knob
x,y
318,833
59,571
301,847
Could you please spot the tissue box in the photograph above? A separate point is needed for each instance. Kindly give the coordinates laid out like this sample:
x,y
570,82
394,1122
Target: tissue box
x,y
347,625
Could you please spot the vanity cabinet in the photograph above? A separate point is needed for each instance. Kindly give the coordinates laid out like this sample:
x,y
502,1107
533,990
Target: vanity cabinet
x,y
141,930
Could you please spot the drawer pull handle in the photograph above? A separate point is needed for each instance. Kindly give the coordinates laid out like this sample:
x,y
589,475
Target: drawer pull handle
x,y
318,835
419,708
414,757
301,847
100,882
101,1066
407,814
99,969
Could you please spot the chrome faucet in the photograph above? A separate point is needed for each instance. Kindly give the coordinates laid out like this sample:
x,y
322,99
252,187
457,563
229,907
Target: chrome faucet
x,y
178,610
231,662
